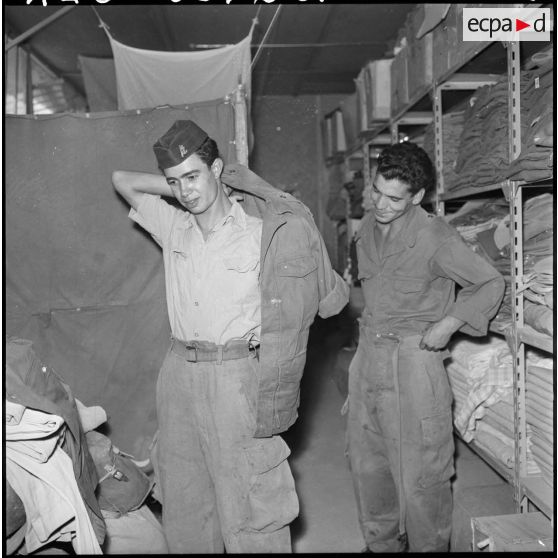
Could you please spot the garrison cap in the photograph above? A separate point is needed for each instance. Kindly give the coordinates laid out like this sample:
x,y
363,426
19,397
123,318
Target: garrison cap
x,y
182,139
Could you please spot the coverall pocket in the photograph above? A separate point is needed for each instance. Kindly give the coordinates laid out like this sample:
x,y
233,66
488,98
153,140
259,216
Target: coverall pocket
x,y
437,449
272,498
408,284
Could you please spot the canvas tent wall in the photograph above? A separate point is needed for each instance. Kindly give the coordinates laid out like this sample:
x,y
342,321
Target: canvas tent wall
x,y
83,282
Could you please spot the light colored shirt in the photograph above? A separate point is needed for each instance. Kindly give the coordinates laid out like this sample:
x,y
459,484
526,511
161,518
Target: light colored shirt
x,y
211,285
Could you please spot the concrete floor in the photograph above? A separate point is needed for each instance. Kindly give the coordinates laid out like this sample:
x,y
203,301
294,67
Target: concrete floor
x,y
328,516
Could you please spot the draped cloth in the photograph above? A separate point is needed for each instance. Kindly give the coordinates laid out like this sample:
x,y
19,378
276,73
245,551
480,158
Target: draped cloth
x,y
151,78
99,78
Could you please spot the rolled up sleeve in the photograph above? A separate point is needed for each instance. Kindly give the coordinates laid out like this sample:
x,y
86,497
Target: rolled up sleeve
x,y
154,215
482,286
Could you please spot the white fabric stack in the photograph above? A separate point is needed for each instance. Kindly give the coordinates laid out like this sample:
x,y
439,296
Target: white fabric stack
x,y
480,373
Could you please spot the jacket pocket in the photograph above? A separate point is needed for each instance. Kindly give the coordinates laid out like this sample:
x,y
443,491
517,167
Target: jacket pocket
x,y
296,266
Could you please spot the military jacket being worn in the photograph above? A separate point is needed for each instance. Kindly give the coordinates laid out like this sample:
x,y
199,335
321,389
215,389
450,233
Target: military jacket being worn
x,y
296,283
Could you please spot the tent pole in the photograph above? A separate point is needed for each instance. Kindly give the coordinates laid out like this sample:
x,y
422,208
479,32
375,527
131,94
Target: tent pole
x,y
40,25
240,125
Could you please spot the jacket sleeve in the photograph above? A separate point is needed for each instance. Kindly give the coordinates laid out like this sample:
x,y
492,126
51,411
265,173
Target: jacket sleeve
x,y
482,286
333,290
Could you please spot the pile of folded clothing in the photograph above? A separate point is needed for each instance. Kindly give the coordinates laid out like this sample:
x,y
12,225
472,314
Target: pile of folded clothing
x,y
538,251
483,154
484,226
452,127
480,373
539,406
536,160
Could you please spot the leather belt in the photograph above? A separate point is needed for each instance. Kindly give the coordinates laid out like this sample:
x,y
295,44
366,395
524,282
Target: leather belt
x,y
205,351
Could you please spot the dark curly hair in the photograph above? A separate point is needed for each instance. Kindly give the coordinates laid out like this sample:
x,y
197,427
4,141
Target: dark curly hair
x,y
208,151
409,163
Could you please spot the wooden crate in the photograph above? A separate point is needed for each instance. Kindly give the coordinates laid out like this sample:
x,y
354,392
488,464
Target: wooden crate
x,y
527,532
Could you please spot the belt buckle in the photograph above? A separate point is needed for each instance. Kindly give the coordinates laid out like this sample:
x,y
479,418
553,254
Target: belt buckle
x,y
195,349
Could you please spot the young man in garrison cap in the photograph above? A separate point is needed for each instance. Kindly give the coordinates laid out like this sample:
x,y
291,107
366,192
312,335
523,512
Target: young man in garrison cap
x,y
244,281
400,441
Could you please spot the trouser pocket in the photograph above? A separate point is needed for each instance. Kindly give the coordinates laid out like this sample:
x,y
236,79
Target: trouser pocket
x,y
272,499
437,449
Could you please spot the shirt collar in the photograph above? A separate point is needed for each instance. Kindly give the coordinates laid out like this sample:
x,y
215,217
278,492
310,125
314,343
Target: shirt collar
x,y
236,215
415,219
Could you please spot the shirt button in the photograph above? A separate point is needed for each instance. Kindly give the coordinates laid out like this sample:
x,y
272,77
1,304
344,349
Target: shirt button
x,y
196,335
196,303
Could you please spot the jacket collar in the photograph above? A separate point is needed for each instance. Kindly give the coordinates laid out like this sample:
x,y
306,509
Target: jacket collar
x,y
241,178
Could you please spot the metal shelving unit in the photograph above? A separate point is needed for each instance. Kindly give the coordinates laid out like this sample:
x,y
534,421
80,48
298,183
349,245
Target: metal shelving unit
x,y
527,488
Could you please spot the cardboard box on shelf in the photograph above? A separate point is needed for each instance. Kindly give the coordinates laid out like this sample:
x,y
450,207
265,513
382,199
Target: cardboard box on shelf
x,y
399,81
377,75
420,63
349,110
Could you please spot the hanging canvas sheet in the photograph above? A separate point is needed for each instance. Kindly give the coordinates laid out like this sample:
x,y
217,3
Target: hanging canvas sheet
x,y
150,78
99,78
82,281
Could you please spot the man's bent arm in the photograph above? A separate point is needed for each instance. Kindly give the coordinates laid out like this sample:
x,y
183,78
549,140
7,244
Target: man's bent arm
x,y
132,185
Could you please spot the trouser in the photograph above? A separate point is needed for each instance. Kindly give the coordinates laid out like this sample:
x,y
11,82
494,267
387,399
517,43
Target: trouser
x,y
400,444
220,486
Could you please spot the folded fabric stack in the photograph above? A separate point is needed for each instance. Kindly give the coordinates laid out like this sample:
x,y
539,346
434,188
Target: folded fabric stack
x,y
452,127
484,226
536,160
481,378
480,373
477,223
538,268
483,153
540,419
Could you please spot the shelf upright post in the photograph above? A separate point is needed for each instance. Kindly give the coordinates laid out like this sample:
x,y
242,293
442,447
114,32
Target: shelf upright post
x,y
241,125
516,239
366,165
439,150
394,132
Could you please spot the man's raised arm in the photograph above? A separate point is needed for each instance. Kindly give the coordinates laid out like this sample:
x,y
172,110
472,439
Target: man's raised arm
x,y
132,185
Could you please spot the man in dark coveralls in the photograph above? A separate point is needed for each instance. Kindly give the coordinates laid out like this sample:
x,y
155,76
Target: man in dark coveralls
x,y
400,440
